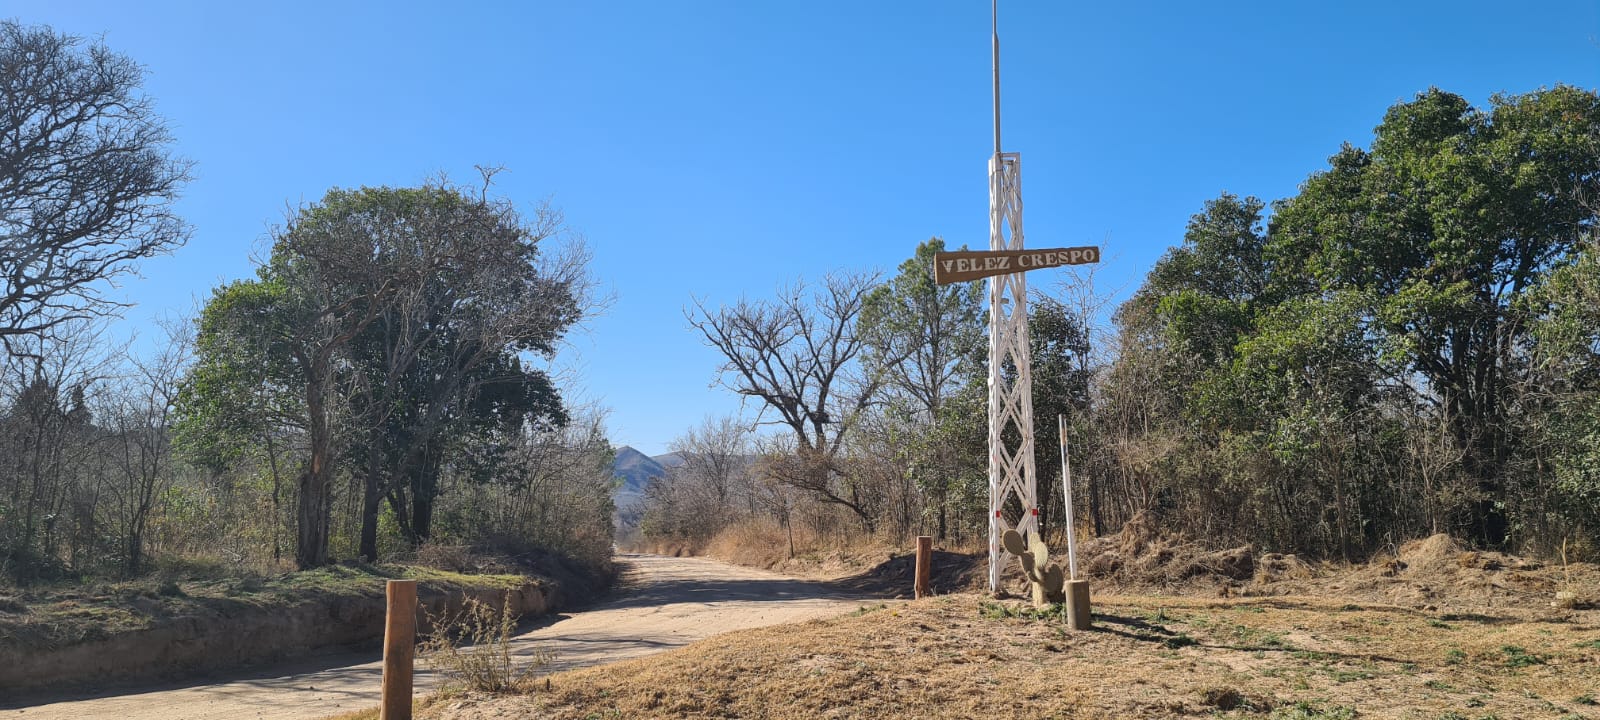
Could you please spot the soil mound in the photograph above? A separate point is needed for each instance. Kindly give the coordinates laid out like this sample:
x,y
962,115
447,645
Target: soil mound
x,y
1429,556
1142,556
895,577
1279,567
1437,571
1430,573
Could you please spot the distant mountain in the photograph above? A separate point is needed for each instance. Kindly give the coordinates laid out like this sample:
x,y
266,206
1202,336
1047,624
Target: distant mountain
x,y
636,469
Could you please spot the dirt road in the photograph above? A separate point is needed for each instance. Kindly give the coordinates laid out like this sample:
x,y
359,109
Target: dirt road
x,y
662,603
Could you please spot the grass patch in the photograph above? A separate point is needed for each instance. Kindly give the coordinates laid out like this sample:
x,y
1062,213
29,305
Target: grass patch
x,y
1313,711
1179,640
1517,657
1344,676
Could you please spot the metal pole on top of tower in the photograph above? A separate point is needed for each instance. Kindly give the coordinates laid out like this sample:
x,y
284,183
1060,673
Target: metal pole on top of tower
x,y
994,45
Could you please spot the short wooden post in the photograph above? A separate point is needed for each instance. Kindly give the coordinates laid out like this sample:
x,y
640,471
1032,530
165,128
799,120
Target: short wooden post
x,y
399,646
924,587
1078,615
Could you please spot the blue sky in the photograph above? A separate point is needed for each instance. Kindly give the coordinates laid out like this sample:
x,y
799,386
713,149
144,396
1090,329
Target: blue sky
x,y
722,149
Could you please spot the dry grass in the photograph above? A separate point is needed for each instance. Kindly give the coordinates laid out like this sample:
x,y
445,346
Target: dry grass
x,y
752,542
1430,631
471,649
764,543
367,714
962,656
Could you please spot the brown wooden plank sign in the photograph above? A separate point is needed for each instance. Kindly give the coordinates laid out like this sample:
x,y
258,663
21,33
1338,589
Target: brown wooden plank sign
x,y
964,265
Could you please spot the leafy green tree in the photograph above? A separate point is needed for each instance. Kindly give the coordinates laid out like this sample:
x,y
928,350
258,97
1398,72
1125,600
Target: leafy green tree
x,y
442,360
1058,361
927,340
239,398
396,320
1445,225
1562,424
305,308
1309,363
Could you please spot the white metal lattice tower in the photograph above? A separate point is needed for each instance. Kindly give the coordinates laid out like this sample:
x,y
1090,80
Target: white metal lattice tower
x,y
1012,475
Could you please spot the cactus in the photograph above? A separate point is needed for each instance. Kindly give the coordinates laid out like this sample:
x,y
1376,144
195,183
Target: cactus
x,y
1048,580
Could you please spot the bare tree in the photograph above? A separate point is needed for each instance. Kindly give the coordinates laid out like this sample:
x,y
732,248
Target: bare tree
x,y
798,356
47,509
138,421
716,462
86,186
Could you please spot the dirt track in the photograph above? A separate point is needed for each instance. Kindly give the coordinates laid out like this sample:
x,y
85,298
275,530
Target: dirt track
x,y
663,603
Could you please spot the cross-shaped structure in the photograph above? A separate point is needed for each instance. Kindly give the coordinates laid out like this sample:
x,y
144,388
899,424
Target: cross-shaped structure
x,y
1012,475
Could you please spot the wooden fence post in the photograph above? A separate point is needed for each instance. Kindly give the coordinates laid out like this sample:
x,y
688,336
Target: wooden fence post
x,y
399,646
924,565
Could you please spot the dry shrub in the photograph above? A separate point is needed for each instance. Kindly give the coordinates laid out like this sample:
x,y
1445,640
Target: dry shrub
x,y
759,542
1433,555
766,543
670,547
455,558
1143,555
1278,567
472,649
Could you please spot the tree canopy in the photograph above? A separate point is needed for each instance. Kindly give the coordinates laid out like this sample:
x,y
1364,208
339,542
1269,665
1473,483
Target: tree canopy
x,y
87,183
387,325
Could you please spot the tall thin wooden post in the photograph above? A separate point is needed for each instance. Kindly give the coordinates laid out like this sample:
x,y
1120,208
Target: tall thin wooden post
x,y
924,586
399,646
1079,616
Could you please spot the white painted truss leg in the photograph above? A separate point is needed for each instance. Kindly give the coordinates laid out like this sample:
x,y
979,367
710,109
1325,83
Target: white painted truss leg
x,y
1011,467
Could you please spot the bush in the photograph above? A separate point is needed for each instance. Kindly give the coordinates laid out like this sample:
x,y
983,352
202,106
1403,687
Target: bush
x,y
472,649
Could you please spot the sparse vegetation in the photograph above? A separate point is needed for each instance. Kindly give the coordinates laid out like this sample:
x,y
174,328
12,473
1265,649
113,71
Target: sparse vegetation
x,y
471,649
1517,657
1306,710
953,656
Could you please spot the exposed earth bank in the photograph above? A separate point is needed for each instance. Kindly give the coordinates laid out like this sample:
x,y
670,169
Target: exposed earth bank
x,y
91,638
660,604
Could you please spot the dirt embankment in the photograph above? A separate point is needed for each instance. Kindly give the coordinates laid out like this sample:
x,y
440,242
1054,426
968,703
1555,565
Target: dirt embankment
x,y
74,640
1429,573
1426,574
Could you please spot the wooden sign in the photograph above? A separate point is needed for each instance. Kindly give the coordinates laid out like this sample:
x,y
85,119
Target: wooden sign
x,y
964,265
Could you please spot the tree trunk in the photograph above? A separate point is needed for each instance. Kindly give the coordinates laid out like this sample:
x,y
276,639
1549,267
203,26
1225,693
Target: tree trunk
x,y
312,511
371,499
428,490
311,520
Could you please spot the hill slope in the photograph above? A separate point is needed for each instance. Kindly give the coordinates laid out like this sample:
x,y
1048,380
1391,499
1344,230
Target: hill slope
x,y
636,470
